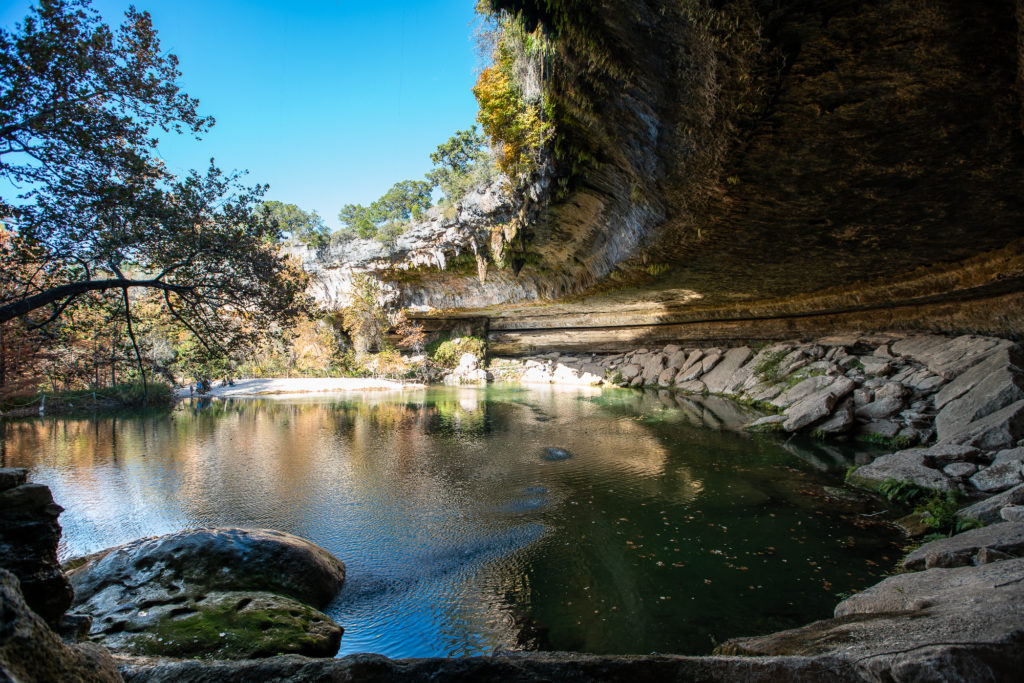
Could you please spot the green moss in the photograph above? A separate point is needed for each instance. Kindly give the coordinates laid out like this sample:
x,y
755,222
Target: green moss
x,y
768,368
889,442
225,631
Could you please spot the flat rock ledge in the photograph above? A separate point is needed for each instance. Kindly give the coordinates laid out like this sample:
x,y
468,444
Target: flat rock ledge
x,y
223,593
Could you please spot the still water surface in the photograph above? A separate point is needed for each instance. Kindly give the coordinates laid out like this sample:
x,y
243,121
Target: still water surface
x,y
477,520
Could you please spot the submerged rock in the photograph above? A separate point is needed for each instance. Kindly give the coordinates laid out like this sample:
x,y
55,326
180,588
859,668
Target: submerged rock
x,y
251,588
556,454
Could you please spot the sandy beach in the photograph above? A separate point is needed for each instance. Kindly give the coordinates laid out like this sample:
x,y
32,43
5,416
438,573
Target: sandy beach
x,y
300,385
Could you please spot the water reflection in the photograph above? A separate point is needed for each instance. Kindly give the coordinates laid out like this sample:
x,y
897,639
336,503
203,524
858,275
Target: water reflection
x,y
661,525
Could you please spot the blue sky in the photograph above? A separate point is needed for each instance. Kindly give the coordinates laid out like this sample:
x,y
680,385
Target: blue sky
x,y
329,102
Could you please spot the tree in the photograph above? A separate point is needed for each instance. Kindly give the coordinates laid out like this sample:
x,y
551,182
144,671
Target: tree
x,y
307,228
79,104
456,159
388,216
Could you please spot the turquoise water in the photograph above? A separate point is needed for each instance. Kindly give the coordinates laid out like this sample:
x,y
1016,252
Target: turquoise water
x,y
478,520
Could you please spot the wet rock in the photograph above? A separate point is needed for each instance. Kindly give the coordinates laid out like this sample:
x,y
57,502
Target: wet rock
x,y
960,550
29,536
727,374
988,510
224,625
31,651
909,465
554,454
767,423
694,386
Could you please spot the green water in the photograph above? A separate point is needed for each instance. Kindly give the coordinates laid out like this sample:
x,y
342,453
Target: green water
x,y
478,520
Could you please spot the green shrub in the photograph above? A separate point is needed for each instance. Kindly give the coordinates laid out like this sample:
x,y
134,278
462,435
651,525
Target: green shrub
x,y
446,353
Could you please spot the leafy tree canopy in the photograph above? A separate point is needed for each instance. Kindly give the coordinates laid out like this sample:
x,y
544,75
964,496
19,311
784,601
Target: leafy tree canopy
x,y
385,218
456,159
306,227
97,210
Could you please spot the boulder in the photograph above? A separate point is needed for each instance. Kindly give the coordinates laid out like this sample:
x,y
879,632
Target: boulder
x,y
988,510
961,550
999,476
1012,513
873,365
840,421
937,625
880,408
31,651
767,423
984,389
630,371
29,536
694,386
143,594
909,465
727,373
887,429
960,470
666,377
808,410
1002,429
708,362
676,359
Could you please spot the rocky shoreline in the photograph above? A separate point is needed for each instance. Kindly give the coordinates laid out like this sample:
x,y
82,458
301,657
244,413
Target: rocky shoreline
x,y
954,611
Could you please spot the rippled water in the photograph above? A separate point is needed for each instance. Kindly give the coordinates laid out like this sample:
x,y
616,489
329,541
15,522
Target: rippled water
x,y
475,520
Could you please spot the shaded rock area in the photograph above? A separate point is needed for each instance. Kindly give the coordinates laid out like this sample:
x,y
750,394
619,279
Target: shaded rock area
x,y
31,652
226,592
29,535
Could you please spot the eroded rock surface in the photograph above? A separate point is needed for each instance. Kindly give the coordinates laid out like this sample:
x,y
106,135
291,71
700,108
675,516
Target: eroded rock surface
x,y
235,592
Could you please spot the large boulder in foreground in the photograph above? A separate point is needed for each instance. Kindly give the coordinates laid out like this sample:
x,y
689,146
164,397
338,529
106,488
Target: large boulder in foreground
x,y
31,651
229,593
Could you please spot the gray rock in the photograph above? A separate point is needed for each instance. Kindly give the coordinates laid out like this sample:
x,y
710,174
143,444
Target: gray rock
x,y
863,396
840,421
630,371
908,465
883,428
937,625
215,559
940,455
808,410
880,408
802,390
1012,513
767,422
960,550
960,470
709,361
727,373
694,386
993,384
873,365
653,368
666,377
671,349
947,357
1001,429
988,510
998,476
30,651
997,363
892,390
689,373
883,351
676,359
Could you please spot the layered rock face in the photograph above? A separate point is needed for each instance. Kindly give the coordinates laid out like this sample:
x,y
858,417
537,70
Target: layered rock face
x,y
747,169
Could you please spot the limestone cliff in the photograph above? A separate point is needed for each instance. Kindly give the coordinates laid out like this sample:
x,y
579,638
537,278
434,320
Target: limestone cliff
x,y
755,169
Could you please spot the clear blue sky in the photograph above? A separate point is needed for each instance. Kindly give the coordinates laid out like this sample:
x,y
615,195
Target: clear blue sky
x,y
329,102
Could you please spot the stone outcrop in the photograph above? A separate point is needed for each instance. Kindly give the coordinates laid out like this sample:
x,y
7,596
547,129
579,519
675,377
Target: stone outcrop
x,y
974,547
225,592
29,535
963,623
31,651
